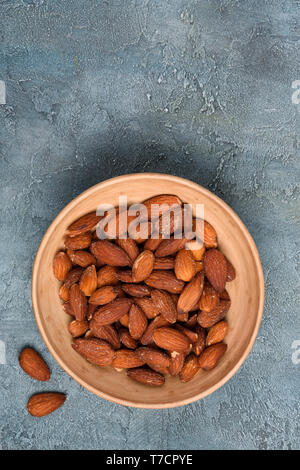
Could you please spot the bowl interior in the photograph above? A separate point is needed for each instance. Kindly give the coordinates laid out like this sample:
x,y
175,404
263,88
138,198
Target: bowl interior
x,y
246,293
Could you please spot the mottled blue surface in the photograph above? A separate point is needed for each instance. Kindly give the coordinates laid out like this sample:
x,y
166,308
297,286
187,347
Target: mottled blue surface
x,y
200,89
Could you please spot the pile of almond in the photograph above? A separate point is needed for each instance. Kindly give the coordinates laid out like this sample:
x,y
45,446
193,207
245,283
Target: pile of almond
x,y
154,307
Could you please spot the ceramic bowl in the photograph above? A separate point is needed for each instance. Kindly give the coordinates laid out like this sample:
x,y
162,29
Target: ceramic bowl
x,y
246,292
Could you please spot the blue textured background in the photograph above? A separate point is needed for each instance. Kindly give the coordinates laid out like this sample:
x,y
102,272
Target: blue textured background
x,y
199,89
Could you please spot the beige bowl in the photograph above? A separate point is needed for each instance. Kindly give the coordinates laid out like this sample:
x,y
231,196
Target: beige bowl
x,y
244,317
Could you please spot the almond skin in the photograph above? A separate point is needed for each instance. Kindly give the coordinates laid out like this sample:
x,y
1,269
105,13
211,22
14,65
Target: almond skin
x,y
112,312
125,275
78,302
165,280
185,265
197,249
143,266
192,321
107,332
107,276
215,267
217,333
192,335
109,253
210,236
176,363
80,242
199,345
152,244
127,340
230,272
164,304
137,322
124,320
171,339
127,359
104,295
191,294
81,258
157,322
88,281
157,360
208,319
94,350
64,293
33,364
68,309
210,356
78,328
129,246
209,298
170,246
164,263
190,368
166,201
61,265
146,376
147,306
84,224
73,277
43,404
136,290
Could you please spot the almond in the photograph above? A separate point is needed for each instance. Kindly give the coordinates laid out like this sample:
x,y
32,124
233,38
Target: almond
x,y
125,275
88,281
81,258
124,320
191,294
127,339
146,376
217,333
143,266
165,280
210,236
170,246
32,363
164,263
94,350
64,293
84,224
68,309
210,356
137,322
136,290
152,243
104,295
157,360
91,310
61,265
209,298
127,359
109,253
190,368
107,276
171,339
43,404
78,328
230,272
215,268
164,304
192,321
192,335
80,242
73,277
78,302
199,266
224,295
199,345
165,201
171,221
147,306
208,319
129,246
176,362
147,337
106,332
112,312
183,317
185,266
197,249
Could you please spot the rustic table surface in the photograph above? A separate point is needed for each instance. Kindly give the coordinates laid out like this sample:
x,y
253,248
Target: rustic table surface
x,y
200,89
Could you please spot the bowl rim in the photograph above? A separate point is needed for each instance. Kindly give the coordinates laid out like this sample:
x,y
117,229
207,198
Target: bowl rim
x,y
209,194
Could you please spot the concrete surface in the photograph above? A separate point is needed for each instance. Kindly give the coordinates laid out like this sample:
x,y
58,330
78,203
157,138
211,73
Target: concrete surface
x,y
199,89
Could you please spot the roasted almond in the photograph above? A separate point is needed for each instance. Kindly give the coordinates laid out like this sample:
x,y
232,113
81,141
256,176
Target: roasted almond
x,y
152,243
81,258
106,332
64,293
43,404
124,320
230,272
80,242
208,319
199,345
78,328
199,266
170,246
78,302
215,267
127,359
185,265
158,205
157,360
125,275
61,265
146,376
112,312
73,276
129,246
107,276
209,298
143,266
191,294
165,280
210,236
127,339
197,249
176,362
84,224
137,322
190,368
109,253
136,290
34,365
147,306
104,295
68,309
157,322
94,350
164,304
171,339
192,321
88,281
164,263
217,333
192,335
210,356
